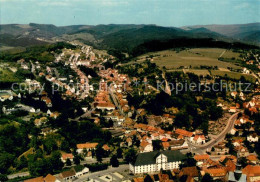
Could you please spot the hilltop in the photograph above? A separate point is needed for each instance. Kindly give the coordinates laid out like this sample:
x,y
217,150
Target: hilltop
x,y
123,37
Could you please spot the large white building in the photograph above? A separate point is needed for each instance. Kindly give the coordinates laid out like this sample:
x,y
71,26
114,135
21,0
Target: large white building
x,y
152,162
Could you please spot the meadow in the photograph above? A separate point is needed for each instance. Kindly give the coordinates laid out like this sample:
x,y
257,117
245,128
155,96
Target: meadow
x,y
192,58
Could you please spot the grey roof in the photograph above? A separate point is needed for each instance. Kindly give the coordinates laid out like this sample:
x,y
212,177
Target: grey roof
x,y
150,157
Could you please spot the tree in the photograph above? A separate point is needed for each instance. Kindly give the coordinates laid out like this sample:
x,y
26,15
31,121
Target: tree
x,y
157,144
39,167
130,155
5,162
22,163
3,177
114,161
55,161
119,152
68,162
99,153
76,159
49,144
207,178
65,146
215,112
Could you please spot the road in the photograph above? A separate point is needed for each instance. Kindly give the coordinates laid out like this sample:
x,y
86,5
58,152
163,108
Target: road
x,y
115,100
104,172
202,148
16,175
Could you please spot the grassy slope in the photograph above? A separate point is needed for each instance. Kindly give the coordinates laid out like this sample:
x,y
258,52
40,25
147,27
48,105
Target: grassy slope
x,y
192,57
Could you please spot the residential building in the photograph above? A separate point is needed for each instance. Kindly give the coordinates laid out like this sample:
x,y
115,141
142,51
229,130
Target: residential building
x,y
252,173
252,137
201,159
65,156
87,146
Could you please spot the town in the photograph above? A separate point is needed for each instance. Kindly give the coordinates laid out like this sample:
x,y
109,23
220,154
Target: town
x,y
83,118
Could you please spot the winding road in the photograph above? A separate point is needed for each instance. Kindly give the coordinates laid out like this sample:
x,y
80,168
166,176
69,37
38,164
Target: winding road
x,y
202,148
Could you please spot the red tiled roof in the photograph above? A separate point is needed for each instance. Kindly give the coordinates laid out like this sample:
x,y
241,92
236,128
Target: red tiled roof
x,y
251,170
183,132
87,145
67,156
38,179
201,157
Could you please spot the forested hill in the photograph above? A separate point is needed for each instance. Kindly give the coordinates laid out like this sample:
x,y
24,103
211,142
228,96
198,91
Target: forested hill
x,y
128,38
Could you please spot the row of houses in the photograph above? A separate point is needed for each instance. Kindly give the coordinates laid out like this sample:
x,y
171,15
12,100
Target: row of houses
x,y
64,176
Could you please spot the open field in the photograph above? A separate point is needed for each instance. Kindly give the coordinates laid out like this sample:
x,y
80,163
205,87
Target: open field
x,y
7,76
205,72
234,75
191,57
215,52
197,72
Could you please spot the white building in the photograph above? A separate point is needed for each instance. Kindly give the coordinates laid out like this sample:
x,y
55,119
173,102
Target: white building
x,y
252,138
152,162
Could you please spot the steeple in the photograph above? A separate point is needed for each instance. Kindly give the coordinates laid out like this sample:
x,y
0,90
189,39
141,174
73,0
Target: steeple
x,y
238,172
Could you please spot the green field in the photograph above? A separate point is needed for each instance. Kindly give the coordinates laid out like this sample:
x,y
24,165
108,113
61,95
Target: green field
x,y
234,75
205,72
191,57
7,76
197,72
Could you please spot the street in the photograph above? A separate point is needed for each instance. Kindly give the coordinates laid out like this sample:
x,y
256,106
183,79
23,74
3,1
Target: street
x,y
202,148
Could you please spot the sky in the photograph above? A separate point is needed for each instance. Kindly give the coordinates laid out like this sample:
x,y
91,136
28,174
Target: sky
x,y
160,12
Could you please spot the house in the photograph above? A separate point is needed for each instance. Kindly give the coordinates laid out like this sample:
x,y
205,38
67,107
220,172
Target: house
x,y
47,130
233,131
198,139
252,159
252,173
183,133
129,141
232,109
166,145
48,178
215,173
243,151
66,156
38,179
68,175
105,106
233,94
80,170
178,144
191,172
106,147
146,146
252,137
151,162
237,142
201,159
51,178
221,149
86,146
6,95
